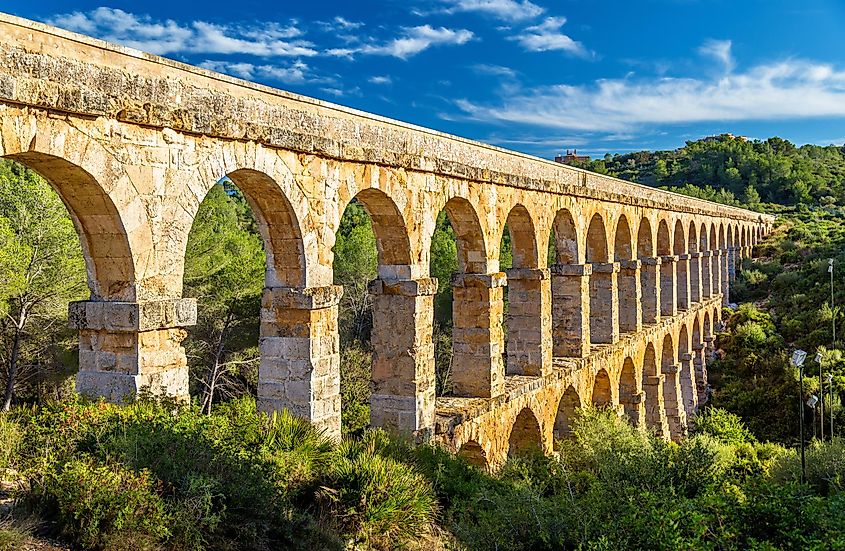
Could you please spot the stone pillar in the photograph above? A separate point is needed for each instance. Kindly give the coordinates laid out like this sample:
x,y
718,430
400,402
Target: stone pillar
x,y
477,337
682,274
403,355
604,303
571,310
687,380
655,414
668,287
732,260
726,281
529,347
674,411
706,281
650,289
630,301
716,271
699,365
300,360
695,294
709,346
126,347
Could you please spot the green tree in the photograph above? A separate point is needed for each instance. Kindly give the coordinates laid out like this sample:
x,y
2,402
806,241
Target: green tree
x,y
43,269
224,271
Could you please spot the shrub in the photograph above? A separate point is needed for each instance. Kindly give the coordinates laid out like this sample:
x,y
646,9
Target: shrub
x,y
11,438
722,425
375,499
107,506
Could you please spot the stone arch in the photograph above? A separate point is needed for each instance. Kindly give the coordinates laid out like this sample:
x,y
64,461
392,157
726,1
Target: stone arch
x,y
699,368
602,393
469,236
629,394
627,288
622,249
604,324
566,238
702,239
474,454
103,237
664,241
668,271
649,273
567,407
679,242
694,264
682,269
390,230
525,433
686,375
653,390
692,241
523,238
671,398
645,240
278,226
713,241
597,240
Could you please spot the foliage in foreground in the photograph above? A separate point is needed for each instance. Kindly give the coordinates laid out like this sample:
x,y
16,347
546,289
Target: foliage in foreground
x,y
152,476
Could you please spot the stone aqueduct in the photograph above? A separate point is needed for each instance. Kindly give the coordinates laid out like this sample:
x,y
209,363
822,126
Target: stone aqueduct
x,y
132,143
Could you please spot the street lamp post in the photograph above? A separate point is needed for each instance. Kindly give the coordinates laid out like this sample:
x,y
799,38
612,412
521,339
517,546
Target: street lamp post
x,y
821,396
833,317
830,393
797,360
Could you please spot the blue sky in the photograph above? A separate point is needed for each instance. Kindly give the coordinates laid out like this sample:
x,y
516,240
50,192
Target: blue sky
x,y
538,76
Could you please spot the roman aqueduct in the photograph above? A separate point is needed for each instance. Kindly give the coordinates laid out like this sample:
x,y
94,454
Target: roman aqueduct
x,y
625,317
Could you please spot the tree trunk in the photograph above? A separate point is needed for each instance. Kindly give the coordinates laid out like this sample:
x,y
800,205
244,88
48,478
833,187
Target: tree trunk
x,y
13,368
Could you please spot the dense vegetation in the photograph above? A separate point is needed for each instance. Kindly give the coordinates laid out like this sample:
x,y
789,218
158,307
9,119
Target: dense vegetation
x,y
160,476
216,475
738,171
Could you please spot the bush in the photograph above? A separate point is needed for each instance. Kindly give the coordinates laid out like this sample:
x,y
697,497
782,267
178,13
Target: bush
x,y
722,425
107,506
375,499
11,439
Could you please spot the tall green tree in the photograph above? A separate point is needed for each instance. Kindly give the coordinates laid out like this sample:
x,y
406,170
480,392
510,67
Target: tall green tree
x,y
224,271
42,269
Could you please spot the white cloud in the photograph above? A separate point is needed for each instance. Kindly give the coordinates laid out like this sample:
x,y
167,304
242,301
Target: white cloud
x,y
494,70
382,79
164,37
295,73
338,91
412,41
791,89
507,10
720,50
548,36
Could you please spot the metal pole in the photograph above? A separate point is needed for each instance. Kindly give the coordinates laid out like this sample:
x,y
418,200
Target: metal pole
x,y
831,303
801,423
821,402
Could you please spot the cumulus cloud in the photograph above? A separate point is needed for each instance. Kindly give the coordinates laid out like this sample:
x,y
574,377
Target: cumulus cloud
x,y
548,36
507,10
164,37
411,42
790,89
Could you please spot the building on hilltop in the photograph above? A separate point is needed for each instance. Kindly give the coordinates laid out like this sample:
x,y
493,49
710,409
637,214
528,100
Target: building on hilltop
x,y
725,137
572,157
